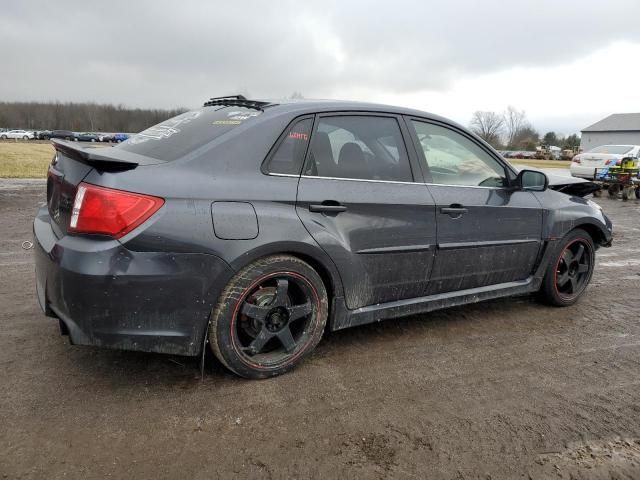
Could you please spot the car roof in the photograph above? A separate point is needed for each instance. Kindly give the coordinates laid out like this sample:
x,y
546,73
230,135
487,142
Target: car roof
x,y
301,106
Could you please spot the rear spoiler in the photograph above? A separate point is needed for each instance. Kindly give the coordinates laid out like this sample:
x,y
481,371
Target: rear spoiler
x,y
107,158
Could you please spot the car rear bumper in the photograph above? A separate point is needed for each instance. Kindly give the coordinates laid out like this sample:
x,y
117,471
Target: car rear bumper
x,y
583,171
109,296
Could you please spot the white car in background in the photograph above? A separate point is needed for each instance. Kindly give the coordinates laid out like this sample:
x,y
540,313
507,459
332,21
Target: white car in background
x,y
584,165
20,134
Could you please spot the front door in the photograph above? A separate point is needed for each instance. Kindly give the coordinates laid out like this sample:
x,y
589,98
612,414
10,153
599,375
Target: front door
x,y
487,233
358,199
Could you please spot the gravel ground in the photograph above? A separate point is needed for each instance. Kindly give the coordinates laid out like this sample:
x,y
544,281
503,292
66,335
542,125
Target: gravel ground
x,y
504,389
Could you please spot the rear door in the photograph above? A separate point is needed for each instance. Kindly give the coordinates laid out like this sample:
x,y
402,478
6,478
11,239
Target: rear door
x,y
487,233
358,199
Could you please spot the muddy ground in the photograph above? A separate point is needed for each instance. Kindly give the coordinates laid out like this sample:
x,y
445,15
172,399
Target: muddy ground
x,y
504,389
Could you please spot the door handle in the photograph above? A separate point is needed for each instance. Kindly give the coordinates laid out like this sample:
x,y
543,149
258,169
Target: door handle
x,y
454,210
326,207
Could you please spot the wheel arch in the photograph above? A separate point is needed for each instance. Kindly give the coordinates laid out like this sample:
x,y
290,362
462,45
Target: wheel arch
x,y
595,232
313,255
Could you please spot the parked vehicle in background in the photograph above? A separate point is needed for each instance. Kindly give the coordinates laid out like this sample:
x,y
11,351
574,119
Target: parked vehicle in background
x,y
258,223
43,134
86,137
569,153
105,137
62,134
17,134
120,137
584,165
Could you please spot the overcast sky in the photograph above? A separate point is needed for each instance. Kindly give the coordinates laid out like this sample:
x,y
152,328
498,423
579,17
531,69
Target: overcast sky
x,y
567,63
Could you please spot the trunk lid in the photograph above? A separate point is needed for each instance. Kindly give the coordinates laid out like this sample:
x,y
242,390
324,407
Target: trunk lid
x,y
598,160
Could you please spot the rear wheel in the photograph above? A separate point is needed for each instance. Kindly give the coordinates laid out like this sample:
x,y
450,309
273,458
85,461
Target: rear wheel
x,y
269,318
570,270
613,190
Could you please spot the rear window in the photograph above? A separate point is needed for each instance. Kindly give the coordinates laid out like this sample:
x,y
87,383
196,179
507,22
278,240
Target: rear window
x,y
180,135
612,149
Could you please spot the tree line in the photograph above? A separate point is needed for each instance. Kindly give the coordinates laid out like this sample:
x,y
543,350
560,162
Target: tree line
x,y
512,131
81,117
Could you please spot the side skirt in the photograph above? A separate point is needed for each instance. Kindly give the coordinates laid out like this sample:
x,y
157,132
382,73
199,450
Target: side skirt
x,y
413,306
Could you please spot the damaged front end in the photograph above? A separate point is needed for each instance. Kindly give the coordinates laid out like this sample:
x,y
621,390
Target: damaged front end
x,y
573,186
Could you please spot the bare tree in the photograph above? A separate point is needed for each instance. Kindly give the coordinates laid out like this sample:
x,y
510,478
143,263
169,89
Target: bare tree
x,y
488,126
527,137
514,121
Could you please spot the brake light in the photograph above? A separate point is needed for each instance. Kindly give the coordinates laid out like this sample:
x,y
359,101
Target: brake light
x,y
576,159
110,212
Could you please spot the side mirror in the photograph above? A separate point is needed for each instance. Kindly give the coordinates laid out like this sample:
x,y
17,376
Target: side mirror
x,y
531,180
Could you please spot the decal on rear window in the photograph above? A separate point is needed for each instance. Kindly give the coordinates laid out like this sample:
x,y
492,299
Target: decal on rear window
x,y
166,129
174,138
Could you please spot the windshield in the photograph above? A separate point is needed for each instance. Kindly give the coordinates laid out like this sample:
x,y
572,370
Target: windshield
x,y
612,149
174,138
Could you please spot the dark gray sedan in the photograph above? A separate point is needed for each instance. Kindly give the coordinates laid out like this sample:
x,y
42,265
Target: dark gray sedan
x,y
255,225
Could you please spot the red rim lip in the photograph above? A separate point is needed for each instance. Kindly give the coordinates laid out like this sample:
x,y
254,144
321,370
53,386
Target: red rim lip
x,y
234,337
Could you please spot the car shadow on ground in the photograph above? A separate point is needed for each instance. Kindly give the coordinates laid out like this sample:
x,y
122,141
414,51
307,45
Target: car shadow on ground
x,y
124,368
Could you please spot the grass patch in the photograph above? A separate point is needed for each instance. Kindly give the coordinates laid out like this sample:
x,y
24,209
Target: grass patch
x,y
25,160
541,163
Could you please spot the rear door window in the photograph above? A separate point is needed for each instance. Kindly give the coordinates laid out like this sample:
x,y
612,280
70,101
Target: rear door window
x,y
289,154
359,147
174,138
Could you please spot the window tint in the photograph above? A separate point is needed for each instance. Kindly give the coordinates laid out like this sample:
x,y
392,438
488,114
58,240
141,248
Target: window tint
x,y
453,159
363,147
289,156
180,135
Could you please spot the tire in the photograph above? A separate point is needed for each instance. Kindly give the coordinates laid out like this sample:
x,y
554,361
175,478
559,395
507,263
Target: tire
x,y
46,137
597,193
638,193
613,190
252,330
3,137
569,270
25,137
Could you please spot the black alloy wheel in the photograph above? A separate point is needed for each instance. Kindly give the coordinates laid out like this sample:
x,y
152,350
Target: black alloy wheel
x,y
270,316
573,269
570,270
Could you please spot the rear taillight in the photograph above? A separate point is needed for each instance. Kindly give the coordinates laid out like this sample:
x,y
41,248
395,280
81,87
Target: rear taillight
x,y
576,159
110,212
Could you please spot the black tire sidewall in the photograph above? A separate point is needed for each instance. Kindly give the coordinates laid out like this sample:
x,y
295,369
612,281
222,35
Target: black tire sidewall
x,y
221,336
548,290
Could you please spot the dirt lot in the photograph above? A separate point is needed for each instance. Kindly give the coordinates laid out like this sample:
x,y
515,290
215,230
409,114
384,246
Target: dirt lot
x,y
505,389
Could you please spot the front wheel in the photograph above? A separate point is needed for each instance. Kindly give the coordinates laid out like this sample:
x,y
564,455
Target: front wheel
x,y
269,318
570,270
